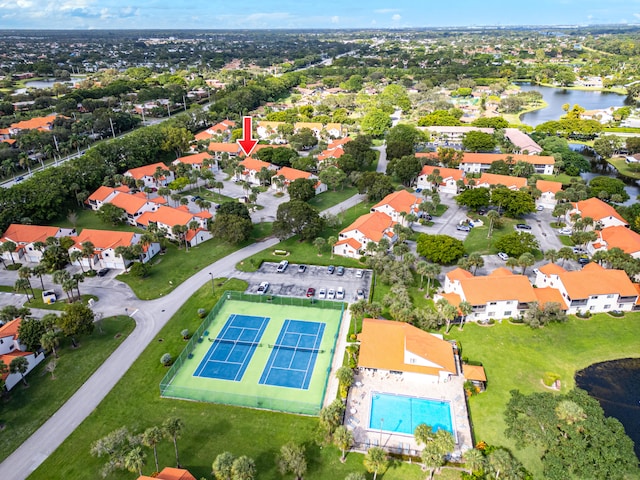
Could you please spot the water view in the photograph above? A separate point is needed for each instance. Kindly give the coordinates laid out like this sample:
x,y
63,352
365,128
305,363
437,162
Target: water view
x,y
616,385
556,97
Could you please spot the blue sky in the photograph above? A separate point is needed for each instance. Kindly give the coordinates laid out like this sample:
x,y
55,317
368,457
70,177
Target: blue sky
x,y
212,14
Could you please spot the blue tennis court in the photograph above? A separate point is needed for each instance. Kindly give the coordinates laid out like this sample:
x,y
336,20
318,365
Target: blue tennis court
x,y
294,355
232,349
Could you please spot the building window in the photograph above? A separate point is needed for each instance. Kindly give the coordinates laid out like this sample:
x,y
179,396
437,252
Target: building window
x,y
491,314
493,303
592,307
607,307
610,295
508,313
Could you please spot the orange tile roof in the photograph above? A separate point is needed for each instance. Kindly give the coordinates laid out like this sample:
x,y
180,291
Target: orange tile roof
x,y
10,329
103,239
548,186
146,171
474,372
262,146
445,173
338,142
205,135
372,225
552,269
223,126
224,147
292,174
453,298
549,295
8,357
333,126
597,209
170,473
384,345
458,274
158,200
506,180
101,193
25,234
352,242
501,272
196,159
481,290
270,125
426,155
166,215
251,163
621,237
204,214
488,158
34,123
129,203
596,280
309,125
400,201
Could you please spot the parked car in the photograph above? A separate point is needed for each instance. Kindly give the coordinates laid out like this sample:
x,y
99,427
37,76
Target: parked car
x,y
331,294
340,293
565,231
331,269
523,226
503,256
584,260
340,271
579,251
19,178
302,268
359,273
482,211
463,228
322,293
102,272
263,287
311,292
282,266
360,294
539,208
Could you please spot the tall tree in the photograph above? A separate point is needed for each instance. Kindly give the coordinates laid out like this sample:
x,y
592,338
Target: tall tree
x,y
243,468
375,461
151,438
173,427
343,439
292,459
77,319
20,365
222,466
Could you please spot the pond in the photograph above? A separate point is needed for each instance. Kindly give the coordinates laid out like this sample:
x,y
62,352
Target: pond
x,y
556,97
616,385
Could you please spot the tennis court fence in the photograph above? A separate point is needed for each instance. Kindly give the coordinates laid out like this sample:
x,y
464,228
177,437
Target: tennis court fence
x,y
168,390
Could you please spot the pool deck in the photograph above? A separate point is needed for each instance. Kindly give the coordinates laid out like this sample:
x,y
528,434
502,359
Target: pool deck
x,y
367,382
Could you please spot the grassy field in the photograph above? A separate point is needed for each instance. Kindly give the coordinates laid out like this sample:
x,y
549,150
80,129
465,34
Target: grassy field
x,y
566,240
329,199
516,357
561,177
305,252
209,429
175,266
477,241
27,408
209,195
623,168
38,303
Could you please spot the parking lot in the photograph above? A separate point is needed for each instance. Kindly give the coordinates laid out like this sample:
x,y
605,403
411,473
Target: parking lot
x,y
294,283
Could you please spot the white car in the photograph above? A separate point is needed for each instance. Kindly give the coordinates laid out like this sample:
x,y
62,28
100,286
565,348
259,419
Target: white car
x,y
262,289
340,293
539,208
331,294
503,256
360,294
565,231
359,273
322,293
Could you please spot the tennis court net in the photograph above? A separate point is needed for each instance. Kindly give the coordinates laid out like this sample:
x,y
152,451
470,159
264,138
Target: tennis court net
x,y
235,342
294,348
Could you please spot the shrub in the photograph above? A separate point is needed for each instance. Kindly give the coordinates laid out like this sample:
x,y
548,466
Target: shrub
x,y
166,359
202,313
14,266
139,269
185,334
549,378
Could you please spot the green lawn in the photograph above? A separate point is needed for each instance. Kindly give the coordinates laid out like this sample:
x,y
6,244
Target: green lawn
x,y
623,167
37,301
477,241
516,357
89,219
261,231
175,266
561,177
27,408
210,195
209,429
329,198
566,240
305,252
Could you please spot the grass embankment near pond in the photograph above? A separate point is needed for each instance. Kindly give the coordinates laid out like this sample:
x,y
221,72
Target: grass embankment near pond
x,y
623,168
305,252
210,429
560,177
38,303
517,356
27,408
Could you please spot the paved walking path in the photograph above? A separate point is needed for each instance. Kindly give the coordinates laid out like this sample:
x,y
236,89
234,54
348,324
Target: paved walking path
x,y
150,317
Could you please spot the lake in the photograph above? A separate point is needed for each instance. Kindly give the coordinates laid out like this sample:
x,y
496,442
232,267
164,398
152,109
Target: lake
x,y
616,385
556,97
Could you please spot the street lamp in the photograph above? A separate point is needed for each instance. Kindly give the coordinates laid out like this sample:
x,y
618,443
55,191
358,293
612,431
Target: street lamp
x,y
212,284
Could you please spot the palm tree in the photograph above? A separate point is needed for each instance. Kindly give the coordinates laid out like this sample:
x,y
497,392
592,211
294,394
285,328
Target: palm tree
x,y
566,253
499,461
423,434
526,260
494,221
173,429
75,256
551,255
345,376
25,273
243,468
9,247
476,261
421,269
62,277
319,243
465,309
222,466
331,241
150,438
20,365
474,459
134,460
88,251
511,263
23,284
375,461
432,272
343,439
50,341
446,311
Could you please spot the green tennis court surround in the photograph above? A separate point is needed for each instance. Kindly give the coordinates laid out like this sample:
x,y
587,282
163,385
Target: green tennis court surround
x,y
249,350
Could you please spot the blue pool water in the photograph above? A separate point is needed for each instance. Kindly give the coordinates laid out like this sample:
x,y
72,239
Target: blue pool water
x,y
402,414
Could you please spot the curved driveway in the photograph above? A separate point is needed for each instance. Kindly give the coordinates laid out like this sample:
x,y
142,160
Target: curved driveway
x,y
150,317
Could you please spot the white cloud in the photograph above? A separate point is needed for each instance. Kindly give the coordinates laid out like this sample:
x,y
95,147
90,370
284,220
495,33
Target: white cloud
x,y
396,17
637,15
386,10
335,19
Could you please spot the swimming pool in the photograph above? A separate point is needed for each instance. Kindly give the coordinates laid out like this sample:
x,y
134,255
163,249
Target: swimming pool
x,y
402,414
